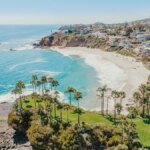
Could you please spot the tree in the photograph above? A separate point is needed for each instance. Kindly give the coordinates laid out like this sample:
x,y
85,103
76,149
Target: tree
x,y
142,96
60,107
33,82
20,85
137,98
43,83
122,95
143,89
66,107
49,110
115,95
55,101
50,81
38,84
101,93
133,112
118,107
55,83
70,90
16,91
77,97
42,137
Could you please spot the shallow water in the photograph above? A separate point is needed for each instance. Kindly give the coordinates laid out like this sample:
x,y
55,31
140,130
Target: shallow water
x,y
26,61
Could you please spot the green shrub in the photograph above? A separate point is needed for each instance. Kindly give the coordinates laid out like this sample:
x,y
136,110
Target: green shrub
x,y
42,137
20,121
130,53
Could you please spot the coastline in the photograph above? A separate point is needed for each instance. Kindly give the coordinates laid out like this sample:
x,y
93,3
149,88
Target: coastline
x,y
118,72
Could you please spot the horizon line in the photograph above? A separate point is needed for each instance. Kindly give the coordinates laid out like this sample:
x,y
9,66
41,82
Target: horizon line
x,y
73,23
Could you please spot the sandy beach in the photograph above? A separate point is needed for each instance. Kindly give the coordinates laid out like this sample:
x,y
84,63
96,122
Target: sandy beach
x,y
116,71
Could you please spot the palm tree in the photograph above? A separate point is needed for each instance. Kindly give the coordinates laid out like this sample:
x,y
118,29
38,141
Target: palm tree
x,y
101,93
38,84
55,100
20,85
34,81
115,95
118,107
77,97
50,81
141,97
16,91
60,107
122,95
55,83
137,98
147,96
49,110
43,82
108,98
66,107
143,90
70,90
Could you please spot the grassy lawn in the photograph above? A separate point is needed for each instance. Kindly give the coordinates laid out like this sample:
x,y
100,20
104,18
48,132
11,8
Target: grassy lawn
x,y
143,128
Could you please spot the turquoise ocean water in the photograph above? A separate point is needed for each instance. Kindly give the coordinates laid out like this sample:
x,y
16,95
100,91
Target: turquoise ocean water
x,y
26,61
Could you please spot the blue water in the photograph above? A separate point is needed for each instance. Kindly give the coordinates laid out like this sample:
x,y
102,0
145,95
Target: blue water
x,y
26,61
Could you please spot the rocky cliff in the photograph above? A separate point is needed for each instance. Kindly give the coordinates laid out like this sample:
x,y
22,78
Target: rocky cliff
x,y
72,40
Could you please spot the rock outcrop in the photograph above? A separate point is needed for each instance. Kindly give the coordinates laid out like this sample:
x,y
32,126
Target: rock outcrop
x,y
72,40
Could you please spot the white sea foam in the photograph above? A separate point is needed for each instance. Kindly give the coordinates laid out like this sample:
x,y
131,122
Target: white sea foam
x,y
25,63
9,97
26,47
46,72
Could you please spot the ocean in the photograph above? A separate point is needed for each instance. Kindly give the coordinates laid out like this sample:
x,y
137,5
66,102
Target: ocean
x,y
25,61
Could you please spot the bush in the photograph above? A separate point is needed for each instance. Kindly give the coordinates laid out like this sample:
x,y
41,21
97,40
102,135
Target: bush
x,y
71,139
42,137
130,53
20,121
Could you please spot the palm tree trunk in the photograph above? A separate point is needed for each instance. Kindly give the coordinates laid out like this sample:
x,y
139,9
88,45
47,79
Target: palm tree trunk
x,y
143,110
115,112
67,116
78,114
101,106
61,115
54,110
35,103
107,107
70,98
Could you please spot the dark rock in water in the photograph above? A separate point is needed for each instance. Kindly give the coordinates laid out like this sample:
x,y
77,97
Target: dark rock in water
x,y
36,45
12,49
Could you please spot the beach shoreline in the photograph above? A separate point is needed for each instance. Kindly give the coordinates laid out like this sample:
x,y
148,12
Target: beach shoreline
x,y
118,72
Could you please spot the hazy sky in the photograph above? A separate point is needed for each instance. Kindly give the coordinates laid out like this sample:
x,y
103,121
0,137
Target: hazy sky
x,y
72,11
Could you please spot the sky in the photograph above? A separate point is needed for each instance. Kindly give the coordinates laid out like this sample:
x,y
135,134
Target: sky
x,y
72,11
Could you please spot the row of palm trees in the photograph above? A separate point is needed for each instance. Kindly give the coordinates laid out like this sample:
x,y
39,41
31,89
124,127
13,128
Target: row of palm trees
x,y
142,99
106,94
46,89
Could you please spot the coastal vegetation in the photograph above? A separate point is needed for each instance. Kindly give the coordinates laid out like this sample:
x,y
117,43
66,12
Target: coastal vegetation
x,y
50,124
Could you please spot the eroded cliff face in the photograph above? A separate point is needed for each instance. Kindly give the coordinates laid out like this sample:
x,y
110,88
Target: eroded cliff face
x,y
71,40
